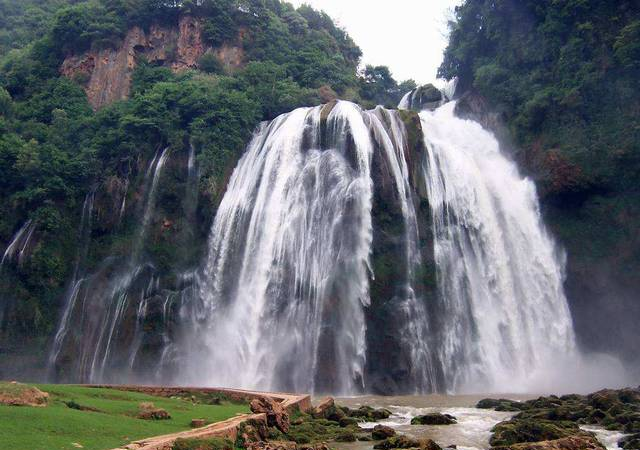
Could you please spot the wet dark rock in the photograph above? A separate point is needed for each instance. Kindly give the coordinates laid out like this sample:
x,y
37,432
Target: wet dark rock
x,y
517,431
434,419
584,442
502,404
347,421
631,442
397,442
347,436
381,432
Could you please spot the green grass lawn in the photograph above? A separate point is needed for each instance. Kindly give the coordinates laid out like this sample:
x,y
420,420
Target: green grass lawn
x,y
58,427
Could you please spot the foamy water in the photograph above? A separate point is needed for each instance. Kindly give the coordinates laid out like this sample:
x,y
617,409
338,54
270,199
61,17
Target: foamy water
x,y
608,438
472,432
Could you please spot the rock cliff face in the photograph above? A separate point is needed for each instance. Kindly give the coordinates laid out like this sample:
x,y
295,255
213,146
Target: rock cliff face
x,y
106,74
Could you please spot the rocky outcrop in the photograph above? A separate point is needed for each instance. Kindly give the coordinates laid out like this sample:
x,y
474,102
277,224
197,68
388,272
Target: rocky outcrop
x,y
17,394
276,414
569,443
406,442
324,407
106,74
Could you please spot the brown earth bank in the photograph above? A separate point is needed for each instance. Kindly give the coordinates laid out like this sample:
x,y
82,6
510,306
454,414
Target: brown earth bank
x,y
18,394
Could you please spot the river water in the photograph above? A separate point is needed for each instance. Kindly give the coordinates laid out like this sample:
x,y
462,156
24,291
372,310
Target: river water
x,y
472,431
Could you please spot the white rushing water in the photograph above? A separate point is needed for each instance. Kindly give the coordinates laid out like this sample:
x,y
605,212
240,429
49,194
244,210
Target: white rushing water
x,y
19,244
503,316
289,255
282,299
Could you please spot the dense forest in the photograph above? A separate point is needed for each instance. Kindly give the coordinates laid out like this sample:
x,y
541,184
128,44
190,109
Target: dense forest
x,y
55,148
564,77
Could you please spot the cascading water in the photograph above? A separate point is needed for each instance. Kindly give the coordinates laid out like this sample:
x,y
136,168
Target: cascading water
x,y
322,261
78,277
286,278
503,316
18,245
95,305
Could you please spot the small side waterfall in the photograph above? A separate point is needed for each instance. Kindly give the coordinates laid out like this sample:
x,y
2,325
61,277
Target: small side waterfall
x,y
503,316
78,277
18,246
97,304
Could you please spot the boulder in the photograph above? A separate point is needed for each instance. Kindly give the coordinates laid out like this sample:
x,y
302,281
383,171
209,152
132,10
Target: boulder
x,y
397,442
631,442
380,414
347,436
347,421
569,443
430,445
323,408
276,414
198,423
502,404
381,432
519,430
434,419
253,430
154,414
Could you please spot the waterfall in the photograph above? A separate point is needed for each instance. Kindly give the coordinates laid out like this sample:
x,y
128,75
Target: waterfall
x,y
287,274
97,304
348,254
413,315
19,244
503,315
77,279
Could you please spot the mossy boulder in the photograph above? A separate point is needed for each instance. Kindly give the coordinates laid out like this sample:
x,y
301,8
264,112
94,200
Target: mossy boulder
x,y
406,442
381,432
582,442
502,404
347,436
434,419
348,421
516,431
631,442
397,442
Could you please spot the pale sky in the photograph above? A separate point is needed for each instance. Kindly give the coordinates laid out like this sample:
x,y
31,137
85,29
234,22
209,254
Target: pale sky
x,y
409,36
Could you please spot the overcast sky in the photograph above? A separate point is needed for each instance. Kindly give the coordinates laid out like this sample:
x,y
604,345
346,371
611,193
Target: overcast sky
x,y
406,35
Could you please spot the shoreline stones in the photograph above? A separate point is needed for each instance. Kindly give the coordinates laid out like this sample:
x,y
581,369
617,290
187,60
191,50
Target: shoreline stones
x,y
404,442
381,432
553,422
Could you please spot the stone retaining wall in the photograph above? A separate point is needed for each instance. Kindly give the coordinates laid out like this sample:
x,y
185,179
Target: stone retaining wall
x,y
225,429
291,402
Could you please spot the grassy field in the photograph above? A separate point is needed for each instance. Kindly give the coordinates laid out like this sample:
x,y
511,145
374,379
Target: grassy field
x,y
59,427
